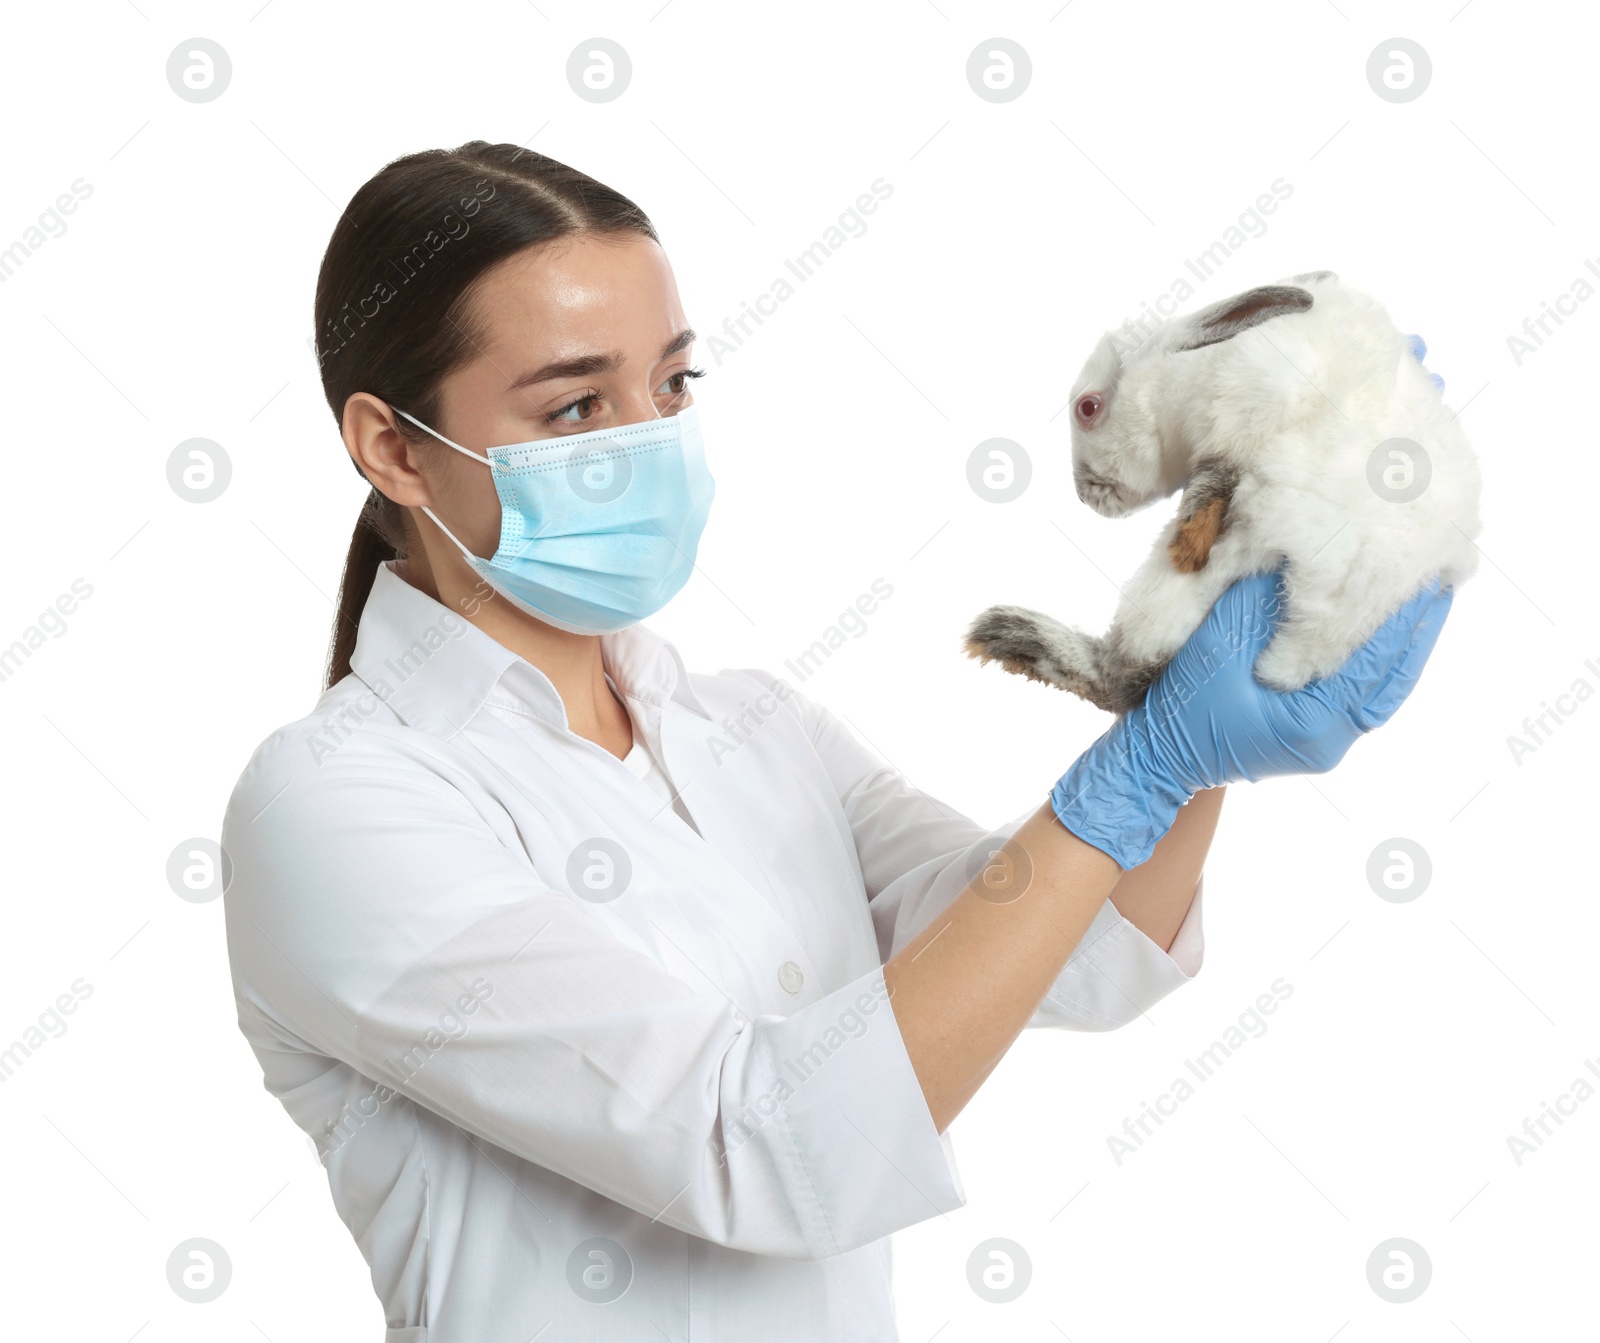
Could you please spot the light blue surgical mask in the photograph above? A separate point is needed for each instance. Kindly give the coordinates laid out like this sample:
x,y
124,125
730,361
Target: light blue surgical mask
x,y
597,530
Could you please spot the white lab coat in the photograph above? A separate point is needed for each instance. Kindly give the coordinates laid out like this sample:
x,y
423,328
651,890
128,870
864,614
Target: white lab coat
x,y
581,1060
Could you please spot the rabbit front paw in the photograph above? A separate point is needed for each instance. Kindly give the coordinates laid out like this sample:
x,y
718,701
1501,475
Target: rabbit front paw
x,y
1287,663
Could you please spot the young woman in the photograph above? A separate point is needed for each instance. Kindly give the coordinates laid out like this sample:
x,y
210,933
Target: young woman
x,y
621,1001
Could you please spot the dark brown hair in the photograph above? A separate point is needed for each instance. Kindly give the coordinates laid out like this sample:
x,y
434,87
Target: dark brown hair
x,y
394,311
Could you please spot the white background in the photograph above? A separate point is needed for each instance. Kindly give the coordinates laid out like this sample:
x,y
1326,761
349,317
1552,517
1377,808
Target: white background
x,y
178,304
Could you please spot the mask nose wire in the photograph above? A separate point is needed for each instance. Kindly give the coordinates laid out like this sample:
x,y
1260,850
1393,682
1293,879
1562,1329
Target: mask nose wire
x,y
466,554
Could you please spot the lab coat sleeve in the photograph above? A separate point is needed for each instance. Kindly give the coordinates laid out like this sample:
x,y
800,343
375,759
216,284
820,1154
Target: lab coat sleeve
x,y
918,853
374,917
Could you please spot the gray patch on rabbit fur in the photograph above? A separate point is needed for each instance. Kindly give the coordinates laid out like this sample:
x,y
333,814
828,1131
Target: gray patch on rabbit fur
x,y
1033,644
1228,318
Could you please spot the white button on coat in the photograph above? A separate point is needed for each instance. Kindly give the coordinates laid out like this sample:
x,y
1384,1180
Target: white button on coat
x,y
521,992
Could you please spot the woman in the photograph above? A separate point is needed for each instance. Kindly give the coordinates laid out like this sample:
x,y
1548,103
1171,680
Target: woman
x,y
625,1002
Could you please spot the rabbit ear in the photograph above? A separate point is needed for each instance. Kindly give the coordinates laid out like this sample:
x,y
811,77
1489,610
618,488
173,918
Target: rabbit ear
x,y
1225,320
1203,514
1312,276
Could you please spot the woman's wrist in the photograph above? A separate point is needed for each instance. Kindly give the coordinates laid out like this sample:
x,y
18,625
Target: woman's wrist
x,y
1118,795
1156,897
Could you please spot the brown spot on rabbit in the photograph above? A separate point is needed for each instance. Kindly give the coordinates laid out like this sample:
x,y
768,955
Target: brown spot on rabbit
x,y
1202,515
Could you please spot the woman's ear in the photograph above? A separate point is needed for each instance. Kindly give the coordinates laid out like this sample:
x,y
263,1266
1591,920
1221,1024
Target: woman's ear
x,y
379,450
1202,514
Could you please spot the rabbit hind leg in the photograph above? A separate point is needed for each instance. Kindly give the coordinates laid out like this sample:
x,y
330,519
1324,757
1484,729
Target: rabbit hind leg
x,y
1127,677
1160,609
1032,644
1328,615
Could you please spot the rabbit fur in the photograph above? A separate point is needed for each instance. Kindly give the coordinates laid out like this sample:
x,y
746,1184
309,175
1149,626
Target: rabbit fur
x,y
1274,412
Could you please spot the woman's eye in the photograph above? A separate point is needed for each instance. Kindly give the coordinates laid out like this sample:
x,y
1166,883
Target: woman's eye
x,y
584,408
678,383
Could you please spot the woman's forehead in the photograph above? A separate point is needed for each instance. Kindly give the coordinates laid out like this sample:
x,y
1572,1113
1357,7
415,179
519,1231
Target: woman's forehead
x,y
582,288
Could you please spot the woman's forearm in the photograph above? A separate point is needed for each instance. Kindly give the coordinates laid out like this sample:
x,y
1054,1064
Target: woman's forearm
x,y
1155,896
966,985
963,989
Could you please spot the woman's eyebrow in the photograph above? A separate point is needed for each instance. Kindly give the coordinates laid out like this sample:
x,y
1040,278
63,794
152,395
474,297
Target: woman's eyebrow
x,y
588,365
681,341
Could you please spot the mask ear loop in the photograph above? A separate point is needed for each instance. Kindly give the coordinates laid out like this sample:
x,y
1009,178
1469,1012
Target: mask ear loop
x,y
467,554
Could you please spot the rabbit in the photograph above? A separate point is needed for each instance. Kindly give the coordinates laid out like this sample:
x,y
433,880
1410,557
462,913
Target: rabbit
x,y
1302,431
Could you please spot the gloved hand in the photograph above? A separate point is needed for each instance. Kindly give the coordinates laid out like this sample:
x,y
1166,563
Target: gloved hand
x,y
1419,352
1207,721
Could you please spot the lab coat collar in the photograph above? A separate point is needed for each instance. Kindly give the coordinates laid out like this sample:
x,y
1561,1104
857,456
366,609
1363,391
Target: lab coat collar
x,y
436,669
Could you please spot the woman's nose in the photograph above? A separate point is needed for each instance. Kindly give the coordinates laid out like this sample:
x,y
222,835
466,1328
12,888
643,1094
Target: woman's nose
x,y
636,406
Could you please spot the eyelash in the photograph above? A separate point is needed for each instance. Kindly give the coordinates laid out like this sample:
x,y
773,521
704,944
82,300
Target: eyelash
x,y
555,415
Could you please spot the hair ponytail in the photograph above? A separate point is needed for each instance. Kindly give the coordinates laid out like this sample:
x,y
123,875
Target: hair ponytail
x,y
379,536
394,311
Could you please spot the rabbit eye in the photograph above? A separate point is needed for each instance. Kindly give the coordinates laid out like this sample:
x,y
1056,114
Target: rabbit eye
x,y
1088,407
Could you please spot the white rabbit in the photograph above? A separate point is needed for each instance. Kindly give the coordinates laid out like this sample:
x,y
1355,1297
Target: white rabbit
x,y
1301,430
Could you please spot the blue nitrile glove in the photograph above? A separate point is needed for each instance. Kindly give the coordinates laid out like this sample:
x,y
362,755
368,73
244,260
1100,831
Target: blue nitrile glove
x,y
1419,352
1206,721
